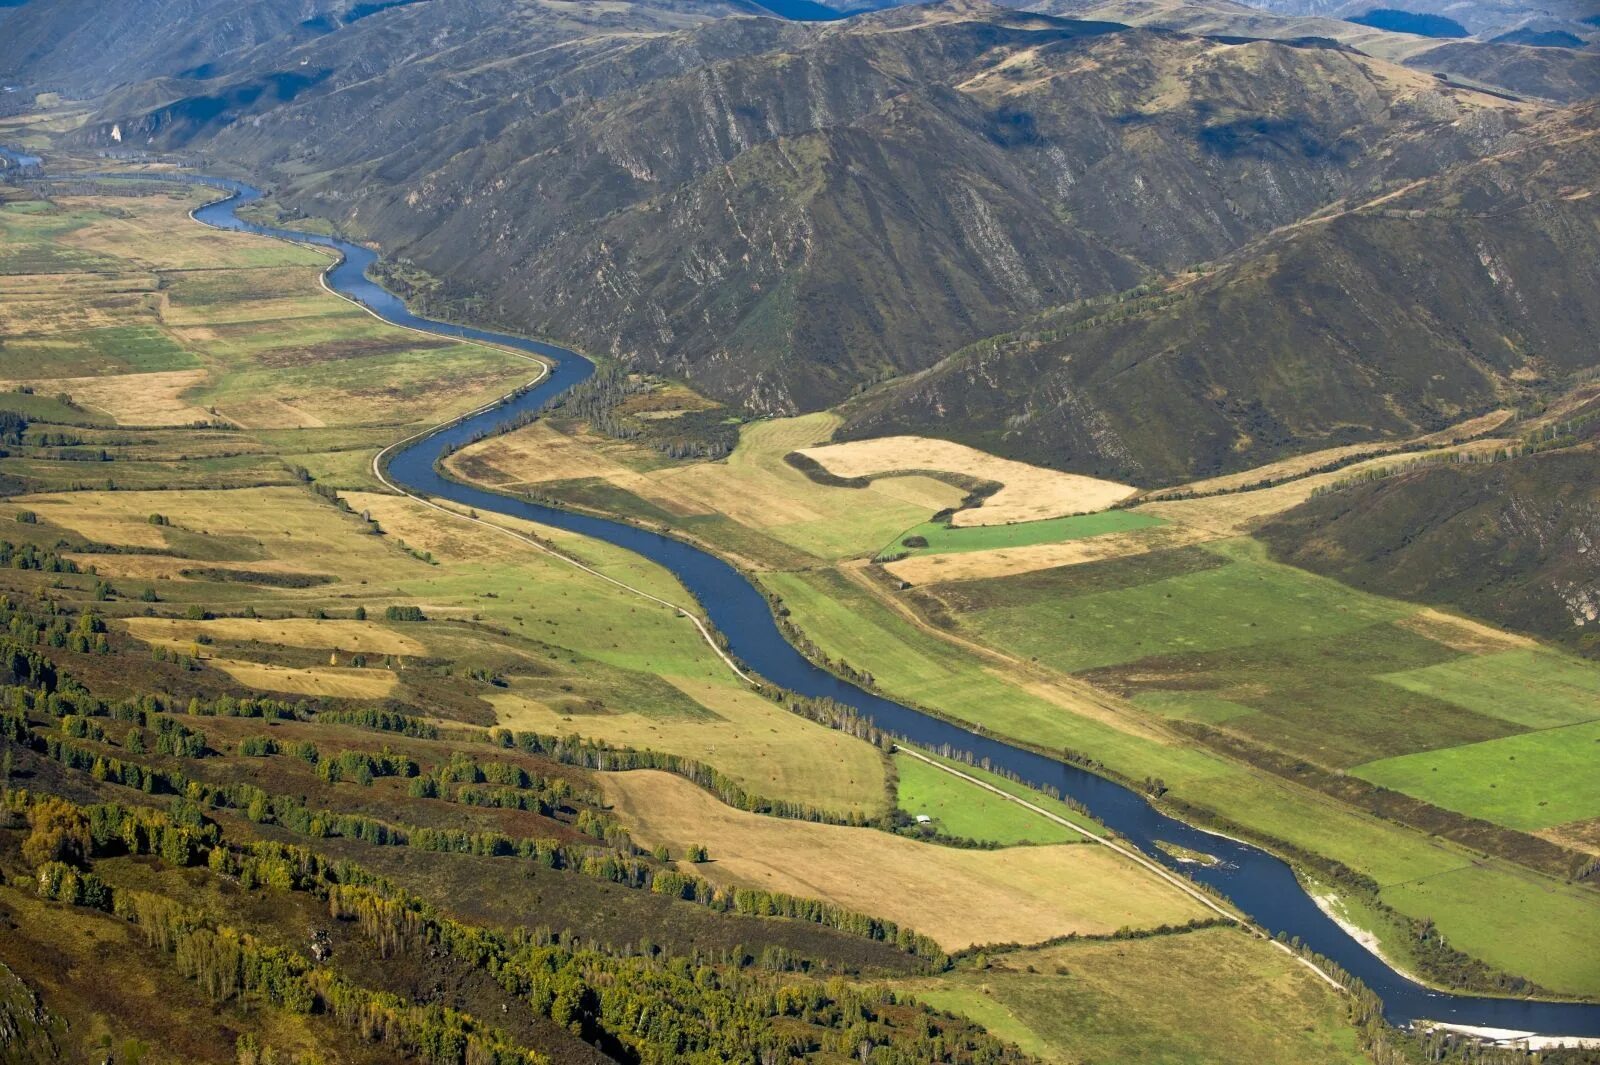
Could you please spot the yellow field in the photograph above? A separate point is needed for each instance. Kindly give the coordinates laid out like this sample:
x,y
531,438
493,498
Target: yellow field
x,y
1463,634
958,897
1030,493
765,748
754,486
131,399
284,529
331,682
355,636
1010,561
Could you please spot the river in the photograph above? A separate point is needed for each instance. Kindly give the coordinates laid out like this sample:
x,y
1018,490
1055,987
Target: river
x,y
1258,883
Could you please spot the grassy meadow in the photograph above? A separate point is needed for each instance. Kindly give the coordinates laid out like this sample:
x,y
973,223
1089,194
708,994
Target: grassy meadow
x,y
1091,1002
965,811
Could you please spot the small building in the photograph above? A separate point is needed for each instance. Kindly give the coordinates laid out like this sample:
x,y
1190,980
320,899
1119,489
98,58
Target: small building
x,y
924,819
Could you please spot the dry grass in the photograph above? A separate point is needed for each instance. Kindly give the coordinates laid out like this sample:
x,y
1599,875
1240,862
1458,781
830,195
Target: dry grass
x,y
130,399
1240,512
1463,634
1030,493
765,748
273,529
354,636
330,682
1010,561
958,897
1299,465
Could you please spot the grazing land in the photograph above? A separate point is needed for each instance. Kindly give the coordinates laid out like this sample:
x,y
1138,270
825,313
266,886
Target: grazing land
x,y
959,897
1088,1002
966,812
1530,781
942,538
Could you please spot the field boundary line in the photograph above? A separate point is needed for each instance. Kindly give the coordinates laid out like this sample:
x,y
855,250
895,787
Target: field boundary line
x,y
1131,854
544,371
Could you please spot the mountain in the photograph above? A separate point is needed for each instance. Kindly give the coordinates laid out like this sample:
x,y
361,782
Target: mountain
x,y
1438,299
783,212
1558,75
1482,17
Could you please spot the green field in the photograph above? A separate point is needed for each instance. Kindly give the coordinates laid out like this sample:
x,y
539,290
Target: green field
x,y
1091,1002
944,538
1538,689
1532,781
1417,873
1225,595
966,811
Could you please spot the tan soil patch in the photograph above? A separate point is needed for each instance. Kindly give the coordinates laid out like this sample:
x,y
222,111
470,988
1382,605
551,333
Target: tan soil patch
x,y
1031,493
958,897
1463,634
1579,835
534,454
425,529
344,635
1010,561
131,399
331,682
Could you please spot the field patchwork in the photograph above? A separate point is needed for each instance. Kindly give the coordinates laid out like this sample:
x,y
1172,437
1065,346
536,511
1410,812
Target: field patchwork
x,y
959,897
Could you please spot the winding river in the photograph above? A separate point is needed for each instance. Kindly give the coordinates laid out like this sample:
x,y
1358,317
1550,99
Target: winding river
x,y
1258,883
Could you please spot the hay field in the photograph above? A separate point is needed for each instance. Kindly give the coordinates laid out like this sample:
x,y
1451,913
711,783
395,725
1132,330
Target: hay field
x,y
1081,1002
1030,493
958,897
331,682
1013,561
1299,465
364,637
765,748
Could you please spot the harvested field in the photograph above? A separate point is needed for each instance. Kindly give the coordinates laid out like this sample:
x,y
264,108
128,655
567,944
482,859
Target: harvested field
x,y
330,682
764,747
958,897
1010,561
358,636
1030,493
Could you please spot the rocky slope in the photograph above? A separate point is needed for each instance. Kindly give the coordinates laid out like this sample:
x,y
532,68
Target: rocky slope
x,y
1425,304
783,212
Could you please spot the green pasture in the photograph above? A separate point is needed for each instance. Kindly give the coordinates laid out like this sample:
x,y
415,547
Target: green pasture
x,y
967,811
943,539
1242,601
1532,781
1535,688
